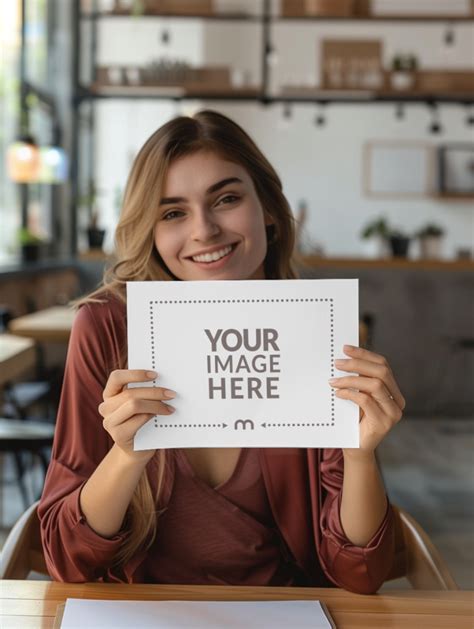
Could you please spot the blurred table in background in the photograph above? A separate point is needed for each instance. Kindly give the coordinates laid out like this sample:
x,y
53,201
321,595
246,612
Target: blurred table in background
x,y
17,355
52,325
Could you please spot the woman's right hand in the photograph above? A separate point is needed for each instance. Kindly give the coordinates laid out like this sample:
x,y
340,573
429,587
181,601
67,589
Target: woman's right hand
x,y
125,410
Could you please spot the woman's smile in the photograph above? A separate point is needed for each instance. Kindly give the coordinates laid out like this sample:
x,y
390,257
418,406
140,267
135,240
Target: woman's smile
x,y
215,257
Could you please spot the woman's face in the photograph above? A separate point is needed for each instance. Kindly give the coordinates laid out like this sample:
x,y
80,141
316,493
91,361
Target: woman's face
x,y
211,225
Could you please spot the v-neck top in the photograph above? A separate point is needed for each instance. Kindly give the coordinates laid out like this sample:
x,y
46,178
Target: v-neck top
x,y
220,535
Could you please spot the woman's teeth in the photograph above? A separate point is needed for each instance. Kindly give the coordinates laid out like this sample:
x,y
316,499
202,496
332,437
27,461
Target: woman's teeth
x,y
212,257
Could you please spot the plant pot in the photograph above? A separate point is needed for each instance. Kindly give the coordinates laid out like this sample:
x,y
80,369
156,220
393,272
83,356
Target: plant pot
x,y
430,247
402,80
376,247
30,253
399,246
95,237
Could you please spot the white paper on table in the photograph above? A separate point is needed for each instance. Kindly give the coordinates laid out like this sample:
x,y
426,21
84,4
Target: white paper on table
x,y
304,324
96,614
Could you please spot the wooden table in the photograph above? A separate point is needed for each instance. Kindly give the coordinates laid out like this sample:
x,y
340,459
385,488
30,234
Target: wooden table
x,y
17,355
28,604
52,325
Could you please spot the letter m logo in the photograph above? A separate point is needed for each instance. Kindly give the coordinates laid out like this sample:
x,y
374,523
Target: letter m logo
x,y
242,423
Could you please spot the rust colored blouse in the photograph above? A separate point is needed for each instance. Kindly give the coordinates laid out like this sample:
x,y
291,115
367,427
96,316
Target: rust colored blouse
x,y
221,535
300,501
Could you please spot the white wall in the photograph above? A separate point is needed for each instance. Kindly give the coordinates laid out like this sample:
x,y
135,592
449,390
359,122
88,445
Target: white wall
x,y
320,164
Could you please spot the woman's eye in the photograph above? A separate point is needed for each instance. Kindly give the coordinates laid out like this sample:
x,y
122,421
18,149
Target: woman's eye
x,y
229,198
171,215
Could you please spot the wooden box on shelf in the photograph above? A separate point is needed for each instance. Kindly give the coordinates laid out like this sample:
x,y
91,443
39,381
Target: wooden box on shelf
x,y
314,8
351,64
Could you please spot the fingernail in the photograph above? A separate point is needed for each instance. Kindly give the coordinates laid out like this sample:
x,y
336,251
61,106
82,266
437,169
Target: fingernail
x,y
350,347
151,374
332,380
169,394
340,361
170,408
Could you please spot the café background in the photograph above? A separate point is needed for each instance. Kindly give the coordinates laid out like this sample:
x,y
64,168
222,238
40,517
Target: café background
x,y
415,308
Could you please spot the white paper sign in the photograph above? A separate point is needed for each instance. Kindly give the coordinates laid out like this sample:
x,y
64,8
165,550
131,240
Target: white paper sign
x,y
249,361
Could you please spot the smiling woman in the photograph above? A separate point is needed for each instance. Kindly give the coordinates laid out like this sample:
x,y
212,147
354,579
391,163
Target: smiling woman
x,y
203,203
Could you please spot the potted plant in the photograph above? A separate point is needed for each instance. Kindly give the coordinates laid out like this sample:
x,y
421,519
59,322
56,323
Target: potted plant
x,y
30,245
95,235
399,243
430,237
403,75
375,233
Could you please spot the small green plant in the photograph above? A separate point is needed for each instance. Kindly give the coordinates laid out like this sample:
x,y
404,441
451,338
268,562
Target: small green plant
x,y
430,229
377,227
27,237
404,63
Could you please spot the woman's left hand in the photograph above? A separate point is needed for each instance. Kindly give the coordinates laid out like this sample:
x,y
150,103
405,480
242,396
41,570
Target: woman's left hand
x,y
376,393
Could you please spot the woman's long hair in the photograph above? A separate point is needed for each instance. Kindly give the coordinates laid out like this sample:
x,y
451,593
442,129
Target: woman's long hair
x,y
138,259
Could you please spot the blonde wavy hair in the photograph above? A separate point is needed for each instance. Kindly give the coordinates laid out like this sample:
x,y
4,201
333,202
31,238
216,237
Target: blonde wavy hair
x,y
138,259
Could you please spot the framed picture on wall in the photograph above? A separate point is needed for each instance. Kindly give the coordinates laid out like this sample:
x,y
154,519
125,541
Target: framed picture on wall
x,y
398,169
456,168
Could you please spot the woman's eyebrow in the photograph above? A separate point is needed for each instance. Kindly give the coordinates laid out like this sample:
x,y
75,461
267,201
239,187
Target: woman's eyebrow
x,y
214,188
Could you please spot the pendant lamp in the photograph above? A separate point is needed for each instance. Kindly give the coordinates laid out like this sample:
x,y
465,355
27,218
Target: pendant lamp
x,y
23,160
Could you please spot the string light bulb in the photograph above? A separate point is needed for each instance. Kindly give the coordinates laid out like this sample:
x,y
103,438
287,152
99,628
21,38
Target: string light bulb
x,y
470,116
399,111
435,126
449,35
271,54
320,118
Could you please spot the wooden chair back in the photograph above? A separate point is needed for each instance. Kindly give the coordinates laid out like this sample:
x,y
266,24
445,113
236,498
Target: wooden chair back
x,y
22,552
416,557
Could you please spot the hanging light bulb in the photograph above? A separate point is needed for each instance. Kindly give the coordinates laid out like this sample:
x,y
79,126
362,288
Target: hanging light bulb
x,y
399,111
53,165
470,116
271,54
320,118
435,126
449,35
23,160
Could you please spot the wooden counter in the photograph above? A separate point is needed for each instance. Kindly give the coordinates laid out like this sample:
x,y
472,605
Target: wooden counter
x,y
387,263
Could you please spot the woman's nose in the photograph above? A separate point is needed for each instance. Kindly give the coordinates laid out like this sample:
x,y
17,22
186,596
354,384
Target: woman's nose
x,y
205,226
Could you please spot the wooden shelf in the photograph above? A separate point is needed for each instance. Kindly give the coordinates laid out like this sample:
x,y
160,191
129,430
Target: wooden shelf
x,y
235,17
387,263
311,94
292,95
461,197
207,92
248,17
378,18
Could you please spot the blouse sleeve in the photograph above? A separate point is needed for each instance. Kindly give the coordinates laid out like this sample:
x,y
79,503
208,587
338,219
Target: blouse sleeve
x,y
73,551
355,568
